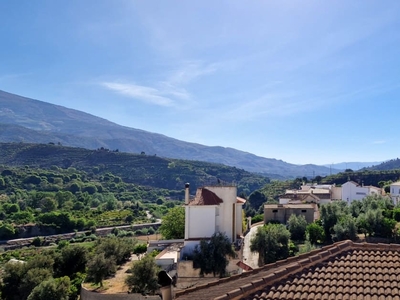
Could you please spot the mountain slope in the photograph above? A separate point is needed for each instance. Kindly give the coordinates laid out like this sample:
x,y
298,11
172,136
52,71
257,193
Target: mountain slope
x,y
145,170
27,120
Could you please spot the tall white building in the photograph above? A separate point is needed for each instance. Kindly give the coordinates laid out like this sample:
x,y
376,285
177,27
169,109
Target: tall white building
x,y
214,209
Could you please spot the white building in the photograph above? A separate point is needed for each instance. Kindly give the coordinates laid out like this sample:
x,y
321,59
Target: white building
x,y
353,191
395,192
214,209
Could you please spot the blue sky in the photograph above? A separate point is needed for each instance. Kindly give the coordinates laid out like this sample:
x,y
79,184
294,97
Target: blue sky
x,y
302,81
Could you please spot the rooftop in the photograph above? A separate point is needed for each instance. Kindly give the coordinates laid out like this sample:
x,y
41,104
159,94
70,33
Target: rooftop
x,y
344,270
205,197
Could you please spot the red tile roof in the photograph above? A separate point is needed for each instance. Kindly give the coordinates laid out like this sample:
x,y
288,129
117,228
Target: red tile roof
x,y
344,270
205,197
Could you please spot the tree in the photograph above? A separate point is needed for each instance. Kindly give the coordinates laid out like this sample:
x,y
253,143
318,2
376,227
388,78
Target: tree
x,y
119,250
271,242
6,231
48,204
173,223
12,276
71,260
256,199
211,256
297,227
330,215
55,289
315,233
99,268
32,278
345,229
143,278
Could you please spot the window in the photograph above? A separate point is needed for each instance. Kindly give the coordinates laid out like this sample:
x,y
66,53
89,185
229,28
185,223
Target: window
x,y
303,211
274,210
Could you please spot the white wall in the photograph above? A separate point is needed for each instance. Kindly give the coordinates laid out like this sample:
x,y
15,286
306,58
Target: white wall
x,y
395,193
226,210
352,192
200,221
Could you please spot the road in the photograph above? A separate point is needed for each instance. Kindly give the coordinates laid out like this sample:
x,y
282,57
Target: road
x,y
250,258
99,231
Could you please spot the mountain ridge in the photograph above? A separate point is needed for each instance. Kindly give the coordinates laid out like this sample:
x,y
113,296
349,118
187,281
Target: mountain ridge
x,y
28,120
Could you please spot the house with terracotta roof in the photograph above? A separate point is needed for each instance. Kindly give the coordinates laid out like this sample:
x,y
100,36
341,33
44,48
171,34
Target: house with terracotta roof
x,y
214,209
308,193
344,270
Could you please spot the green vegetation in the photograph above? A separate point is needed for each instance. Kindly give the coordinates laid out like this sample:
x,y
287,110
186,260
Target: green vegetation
x,y
58,272
112,167
271,242
143,277
173,224
64,201
211,256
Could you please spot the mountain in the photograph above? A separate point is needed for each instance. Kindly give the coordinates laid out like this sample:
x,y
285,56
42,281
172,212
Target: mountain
x,y
392,164
145,170
27,120
352,165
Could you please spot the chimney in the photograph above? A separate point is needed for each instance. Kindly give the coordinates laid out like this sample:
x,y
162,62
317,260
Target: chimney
x,y
187,193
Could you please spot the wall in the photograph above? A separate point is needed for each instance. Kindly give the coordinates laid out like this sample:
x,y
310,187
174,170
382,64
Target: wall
x,y
200,221
282,214
352,192
88,295
228,195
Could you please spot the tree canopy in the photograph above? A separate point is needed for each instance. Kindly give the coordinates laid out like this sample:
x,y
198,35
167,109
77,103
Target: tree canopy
x,y
211,256
173,224
271,242
143,277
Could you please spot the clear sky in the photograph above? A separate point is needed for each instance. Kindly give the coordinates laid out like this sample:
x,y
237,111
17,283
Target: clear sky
x,y
302,81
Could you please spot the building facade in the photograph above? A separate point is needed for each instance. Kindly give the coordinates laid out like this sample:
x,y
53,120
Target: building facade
x,y
214,209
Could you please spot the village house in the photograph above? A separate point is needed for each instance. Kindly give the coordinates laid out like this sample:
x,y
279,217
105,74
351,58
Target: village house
x,y
395,192
282,212
353,191
214,209
325,193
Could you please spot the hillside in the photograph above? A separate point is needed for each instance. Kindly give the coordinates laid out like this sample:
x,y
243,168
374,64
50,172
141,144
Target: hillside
x,y
27,120
141,169
387,165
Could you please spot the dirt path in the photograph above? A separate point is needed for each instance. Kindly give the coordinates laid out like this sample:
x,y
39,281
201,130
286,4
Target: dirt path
x,y
116,285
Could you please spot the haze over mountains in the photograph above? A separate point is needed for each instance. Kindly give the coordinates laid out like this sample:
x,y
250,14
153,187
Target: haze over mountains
x,y
27,120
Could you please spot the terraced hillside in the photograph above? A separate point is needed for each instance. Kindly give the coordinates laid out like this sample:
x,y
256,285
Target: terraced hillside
x,y
142,169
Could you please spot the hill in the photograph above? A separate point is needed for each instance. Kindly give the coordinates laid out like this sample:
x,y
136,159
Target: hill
x,y
27,120
141,169
387,165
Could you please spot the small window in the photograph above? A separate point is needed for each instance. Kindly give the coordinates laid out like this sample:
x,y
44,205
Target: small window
x,y
275,211
303,211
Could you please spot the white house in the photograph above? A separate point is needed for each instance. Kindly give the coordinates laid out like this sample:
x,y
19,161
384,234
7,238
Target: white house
x,y
395,192
353,191
214,209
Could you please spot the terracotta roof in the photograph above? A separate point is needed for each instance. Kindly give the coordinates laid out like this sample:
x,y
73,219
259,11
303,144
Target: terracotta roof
x,y
205,197
344,270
